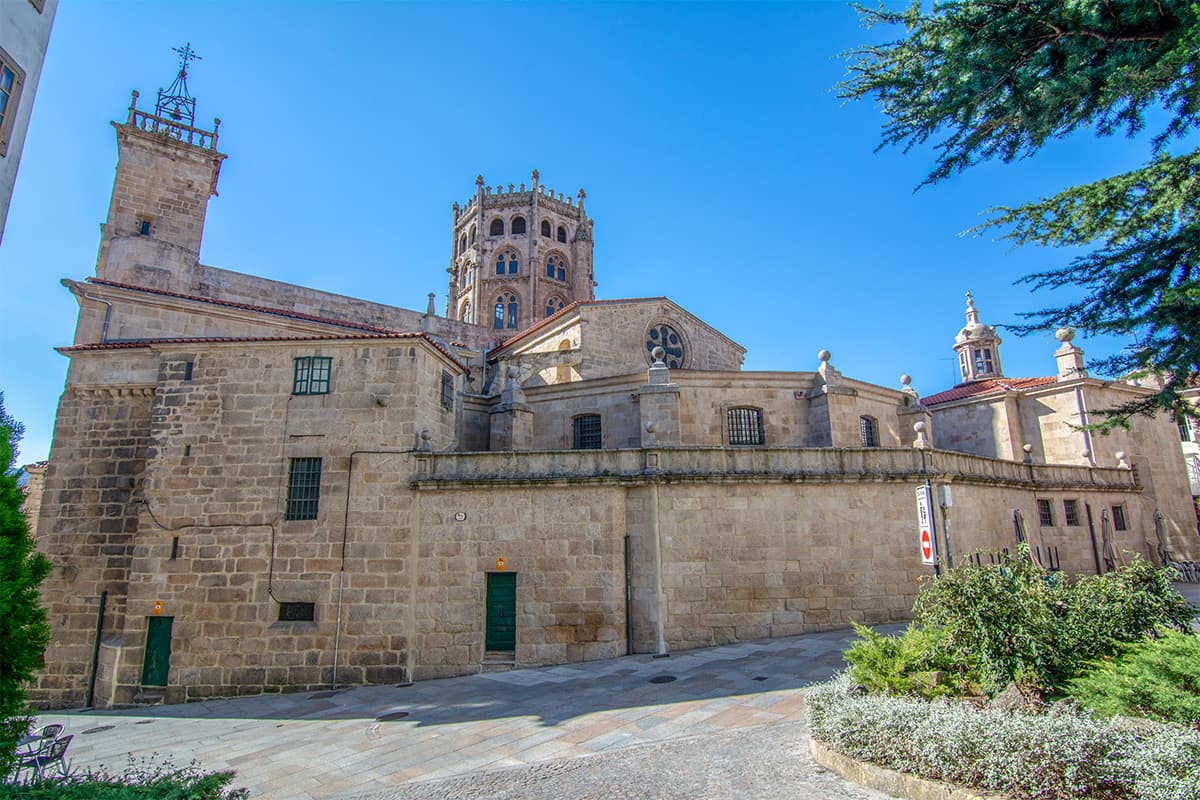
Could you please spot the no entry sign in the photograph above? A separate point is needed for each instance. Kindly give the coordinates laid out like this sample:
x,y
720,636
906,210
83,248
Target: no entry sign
x,y
925,525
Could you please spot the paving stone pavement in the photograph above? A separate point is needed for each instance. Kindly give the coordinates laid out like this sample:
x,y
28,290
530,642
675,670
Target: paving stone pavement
x,y
713,724
723,722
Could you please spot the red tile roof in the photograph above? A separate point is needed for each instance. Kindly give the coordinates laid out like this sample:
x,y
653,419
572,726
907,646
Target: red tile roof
x,y
279,312
986,387
146,343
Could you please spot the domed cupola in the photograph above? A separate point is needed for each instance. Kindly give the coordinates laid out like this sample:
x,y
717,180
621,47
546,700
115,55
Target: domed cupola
x,y
978,348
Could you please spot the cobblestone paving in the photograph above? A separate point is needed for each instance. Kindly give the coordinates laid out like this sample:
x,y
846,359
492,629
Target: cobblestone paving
x,y
767,761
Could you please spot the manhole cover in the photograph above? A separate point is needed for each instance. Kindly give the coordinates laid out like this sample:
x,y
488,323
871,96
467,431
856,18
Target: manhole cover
x,y
98,730
143,722
662,679
760,677
391,716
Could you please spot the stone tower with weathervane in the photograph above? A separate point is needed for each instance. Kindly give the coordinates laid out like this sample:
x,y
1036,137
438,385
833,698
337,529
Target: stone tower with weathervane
x,y
167,170
519,255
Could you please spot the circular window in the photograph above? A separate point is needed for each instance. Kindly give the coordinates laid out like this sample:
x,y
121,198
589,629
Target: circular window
x,y
666,337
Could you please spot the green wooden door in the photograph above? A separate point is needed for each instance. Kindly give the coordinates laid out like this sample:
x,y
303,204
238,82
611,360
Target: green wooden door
x,y
158,651
501,631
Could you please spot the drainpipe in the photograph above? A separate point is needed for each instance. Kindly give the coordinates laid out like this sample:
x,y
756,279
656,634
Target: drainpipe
x,y
91,695
628,597
661,597
107,315
1081,406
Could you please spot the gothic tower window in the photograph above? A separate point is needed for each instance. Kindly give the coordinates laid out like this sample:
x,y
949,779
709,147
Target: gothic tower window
x,y
556,268
562,234
546,228
497,228
554,305
466,313
471,235
518,226
506,311
462,244
507,263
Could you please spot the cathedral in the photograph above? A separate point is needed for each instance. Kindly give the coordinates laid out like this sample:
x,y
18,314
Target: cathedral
x,y
256,486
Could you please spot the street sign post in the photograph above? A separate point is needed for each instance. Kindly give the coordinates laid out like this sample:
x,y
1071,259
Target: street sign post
x,y
925,525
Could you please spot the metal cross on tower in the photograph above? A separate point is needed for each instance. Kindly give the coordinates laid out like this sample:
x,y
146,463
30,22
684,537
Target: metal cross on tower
x,y
176,102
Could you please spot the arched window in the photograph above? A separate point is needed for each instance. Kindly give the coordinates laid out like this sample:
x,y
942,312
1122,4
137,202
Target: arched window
x,y
465,316
471,235
554,305
983,361
518,225
546,228
556,268
497,228
745,426
462,243
562,234
506,263
868,431
506,311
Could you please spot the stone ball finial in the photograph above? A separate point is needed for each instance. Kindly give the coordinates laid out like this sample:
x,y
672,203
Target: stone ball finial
x,y
650,426
1065,334
426,435
1028,448
1120,454
658,354
905,380
919,426
824,356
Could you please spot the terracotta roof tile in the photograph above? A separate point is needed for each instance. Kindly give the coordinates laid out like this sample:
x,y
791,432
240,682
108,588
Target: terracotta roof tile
x,y
986,387
279,312
147,343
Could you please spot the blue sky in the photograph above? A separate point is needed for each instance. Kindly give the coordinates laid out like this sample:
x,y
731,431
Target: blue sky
x,y
720,167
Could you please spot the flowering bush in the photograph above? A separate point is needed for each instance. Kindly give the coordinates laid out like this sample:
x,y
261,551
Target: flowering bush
x,y
1038,757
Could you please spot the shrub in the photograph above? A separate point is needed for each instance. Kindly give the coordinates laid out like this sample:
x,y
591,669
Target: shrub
x,y
23,629
1013,621
1155,678
910,663
144,779
1040,757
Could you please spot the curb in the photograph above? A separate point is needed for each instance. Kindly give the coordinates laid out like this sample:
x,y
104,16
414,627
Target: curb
x,y
899,784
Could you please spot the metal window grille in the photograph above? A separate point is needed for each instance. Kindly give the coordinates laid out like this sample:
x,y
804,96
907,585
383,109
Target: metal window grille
x,y
868,432
297,612
1071,511
586,432
1119,518
745,426
312,374
304,488
447,391
1045,513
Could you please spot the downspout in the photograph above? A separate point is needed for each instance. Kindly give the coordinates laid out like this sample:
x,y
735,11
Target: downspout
x,y
107,315
1081,406
660,596
91,695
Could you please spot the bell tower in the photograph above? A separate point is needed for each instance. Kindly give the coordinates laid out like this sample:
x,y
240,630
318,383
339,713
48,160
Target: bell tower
x,y
978,348
167,169
518,255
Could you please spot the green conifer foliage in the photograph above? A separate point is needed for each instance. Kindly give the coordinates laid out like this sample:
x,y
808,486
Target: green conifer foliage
x,y
984,79
23,629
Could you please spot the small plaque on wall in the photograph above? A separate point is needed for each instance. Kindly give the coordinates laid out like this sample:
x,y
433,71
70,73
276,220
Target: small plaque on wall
x,y
500,564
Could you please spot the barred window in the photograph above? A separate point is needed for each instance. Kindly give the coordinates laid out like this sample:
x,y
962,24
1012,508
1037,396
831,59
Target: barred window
x,y
868,431
546,228
745,426
447,390
518,225
1045,513
562,234
585,432
1119,522
311,375
496,228
1071,511
304,488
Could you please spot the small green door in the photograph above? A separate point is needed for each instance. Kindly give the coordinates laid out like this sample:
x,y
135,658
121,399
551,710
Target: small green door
x,y
158,651
501,631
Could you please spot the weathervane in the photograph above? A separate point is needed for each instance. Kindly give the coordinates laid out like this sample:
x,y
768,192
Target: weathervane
x,y
176,102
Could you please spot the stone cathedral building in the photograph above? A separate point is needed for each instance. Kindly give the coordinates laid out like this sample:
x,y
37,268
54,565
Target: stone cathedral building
x,y
257,486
